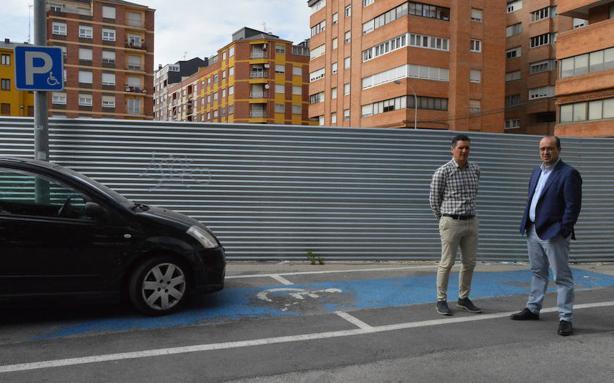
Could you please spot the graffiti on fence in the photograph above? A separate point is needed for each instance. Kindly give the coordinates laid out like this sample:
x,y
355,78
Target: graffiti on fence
x,y
170,169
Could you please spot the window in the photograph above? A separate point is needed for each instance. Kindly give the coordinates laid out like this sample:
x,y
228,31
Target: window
x,y
346,89
316,98
475,106
108,79
346,114
86,32
317,6
85,99
403,71
297,71
280,108
58,29
298,90
318,28
513,29
335,44
579,23
5,84
279,48
347,62
6,59
366,3
335,18
317,52
512,100
476,15
85,54
280,68
5,109
348,11
589,62
546,38
333,118
514,6
475,76
134,62
280,88
85,77
231,90
231,51
334,68
476,45
347,37
108,12
316,75
542,92
542,66
108,101
513,123
543,13
108,57
134,81
333,93
58,98
430,11
134,19
511,76
297,109
513,52
133,106
108,34
231,71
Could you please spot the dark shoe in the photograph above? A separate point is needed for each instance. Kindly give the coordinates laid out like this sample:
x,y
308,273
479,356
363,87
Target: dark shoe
x,y
443,309
467,305
565,328
525,314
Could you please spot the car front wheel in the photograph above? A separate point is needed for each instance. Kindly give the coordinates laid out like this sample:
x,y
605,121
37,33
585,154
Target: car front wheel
x,y
159,286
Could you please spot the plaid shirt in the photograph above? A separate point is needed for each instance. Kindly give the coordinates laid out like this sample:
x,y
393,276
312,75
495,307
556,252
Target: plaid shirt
x,y
454,189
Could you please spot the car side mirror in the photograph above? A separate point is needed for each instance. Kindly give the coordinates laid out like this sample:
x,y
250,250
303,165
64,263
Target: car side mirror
x,y
93,210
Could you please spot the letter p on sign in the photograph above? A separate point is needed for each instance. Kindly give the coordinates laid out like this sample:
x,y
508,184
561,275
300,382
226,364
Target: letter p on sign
x,y
39,68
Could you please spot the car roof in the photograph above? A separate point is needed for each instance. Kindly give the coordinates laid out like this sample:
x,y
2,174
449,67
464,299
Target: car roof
x,y
29,161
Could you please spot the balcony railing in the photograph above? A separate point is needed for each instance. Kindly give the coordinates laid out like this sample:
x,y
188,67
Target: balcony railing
x,y
257,113
259,74
258,54
135,45
134,67
135,89
259,94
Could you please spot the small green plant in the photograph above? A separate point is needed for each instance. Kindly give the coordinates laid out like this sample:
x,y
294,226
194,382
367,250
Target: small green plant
x,y
314,258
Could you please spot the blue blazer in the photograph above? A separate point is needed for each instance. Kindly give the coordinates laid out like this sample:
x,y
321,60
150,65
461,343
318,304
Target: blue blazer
x,y
559,205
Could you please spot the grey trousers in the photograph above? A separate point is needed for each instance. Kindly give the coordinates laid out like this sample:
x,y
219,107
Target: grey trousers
x,y
553,254
454,234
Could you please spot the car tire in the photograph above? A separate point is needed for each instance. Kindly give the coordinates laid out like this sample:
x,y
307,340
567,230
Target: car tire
x,y
159,286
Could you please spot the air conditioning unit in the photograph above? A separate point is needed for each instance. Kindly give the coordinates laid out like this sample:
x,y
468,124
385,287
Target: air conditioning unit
x,y
266,66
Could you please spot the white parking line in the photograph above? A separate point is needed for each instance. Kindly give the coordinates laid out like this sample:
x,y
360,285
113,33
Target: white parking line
x,y
353,320
329,272
281,279
267,341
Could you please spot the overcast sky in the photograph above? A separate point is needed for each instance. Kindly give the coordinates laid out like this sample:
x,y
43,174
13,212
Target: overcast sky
x,y
189,28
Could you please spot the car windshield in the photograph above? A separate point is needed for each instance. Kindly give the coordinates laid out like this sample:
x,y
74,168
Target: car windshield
x,y
110,192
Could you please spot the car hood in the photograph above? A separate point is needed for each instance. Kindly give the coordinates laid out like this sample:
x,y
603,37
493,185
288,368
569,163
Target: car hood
x,y
166,216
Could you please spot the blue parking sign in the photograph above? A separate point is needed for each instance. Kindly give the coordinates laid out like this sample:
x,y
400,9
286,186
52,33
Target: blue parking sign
x,y
39,68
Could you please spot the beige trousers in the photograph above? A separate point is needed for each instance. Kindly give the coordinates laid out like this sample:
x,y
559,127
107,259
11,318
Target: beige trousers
x,y
454,234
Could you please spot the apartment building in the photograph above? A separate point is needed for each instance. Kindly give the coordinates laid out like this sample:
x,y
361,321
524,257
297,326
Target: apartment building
x,y
532,29
433,64
172,74
108,60
13,102
256,78
585,88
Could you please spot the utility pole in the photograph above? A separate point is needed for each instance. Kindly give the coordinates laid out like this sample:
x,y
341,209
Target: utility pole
x,y
41,123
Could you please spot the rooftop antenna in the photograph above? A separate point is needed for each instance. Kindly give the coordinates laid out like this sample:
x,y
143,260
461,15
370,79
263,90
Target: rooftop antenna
x,y
264,27
30,23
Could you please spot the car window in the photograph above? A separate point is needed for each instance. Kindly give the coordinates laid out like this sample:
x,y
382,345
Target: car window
x,y
20,195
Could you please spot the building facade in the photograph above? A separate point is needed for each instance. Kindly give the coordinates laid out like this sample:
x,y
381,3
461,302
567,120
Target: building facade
x,y
171,74
256,78
13,102
108,61
585,88
435,64
532,30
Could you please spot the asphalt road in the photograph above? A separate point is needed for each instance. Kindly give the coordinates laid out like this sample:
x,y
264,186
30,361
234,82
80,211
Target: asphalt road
x,y
333,323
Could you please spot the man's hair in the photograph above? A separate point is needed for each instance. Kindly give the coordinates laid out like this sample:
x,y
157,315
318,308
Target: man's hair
x,y
459,137
556,140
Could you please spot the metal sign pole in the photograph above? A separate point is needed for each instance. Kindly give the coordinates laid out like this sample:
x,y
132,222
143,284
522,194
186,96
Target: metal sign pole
x,y
41,122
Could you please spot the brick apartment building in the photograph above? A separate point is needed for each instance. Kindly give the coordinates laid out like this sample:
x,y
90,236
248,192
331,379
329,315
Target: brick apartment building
x,y
256,78
585,88
172,74
109,55
437,64
531,69
13,102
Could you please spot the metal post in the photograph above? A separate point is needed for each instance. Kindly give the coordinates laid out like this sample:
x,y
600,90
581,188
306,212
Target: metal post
x,y
415,104
41,123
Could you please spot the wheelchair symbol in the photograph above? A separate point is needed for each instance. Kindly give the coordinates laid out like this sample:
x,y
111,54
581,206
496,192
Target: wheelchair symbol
x,y
51,80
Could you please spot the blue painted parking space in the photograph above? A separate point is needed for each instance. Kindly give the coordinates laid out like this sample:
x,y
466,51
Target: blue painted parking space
x,y
276,300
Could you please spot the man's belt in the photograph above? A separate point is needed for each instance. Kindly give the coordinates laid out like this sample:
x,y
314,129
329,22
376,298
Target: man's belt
x,y
459,216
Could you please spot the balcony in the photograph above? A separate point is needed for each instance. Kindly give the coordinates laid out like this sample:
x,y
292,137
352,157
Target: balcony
x,y
135,67
257,113
135,89
259,74
259,94
135,44
258,54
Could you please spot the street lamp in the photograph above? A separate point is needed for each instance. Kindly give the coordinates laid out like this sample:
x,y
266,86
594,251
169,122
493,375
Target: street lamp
x,y
398,82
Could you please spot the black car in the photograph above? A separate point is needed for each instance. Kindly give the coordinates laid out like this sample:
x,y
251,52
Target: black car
x,y
64,235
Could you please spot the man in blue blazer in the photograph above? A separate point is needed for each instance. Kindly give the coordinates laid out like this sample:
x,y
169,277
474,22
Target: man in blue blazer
x,y
553,207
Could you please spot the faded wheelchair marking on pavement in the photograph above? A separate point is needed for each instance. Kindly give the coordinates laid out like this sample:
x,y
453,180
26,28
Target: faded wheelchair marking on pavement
x,y
236,303
296,293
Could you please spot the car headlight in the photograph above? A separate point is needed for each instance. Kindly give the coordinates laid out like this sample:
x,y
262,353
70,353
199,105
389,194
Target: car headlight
x,y
203,236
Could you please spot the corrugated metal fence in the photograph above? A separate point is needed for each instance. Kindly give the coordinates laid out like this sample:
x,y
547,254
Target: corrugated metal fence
x,y
276,192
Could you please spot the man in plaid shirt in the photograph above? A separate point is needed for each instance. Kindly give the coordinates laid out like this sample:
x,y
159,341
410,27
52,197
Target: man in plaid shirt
x,y
454,189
